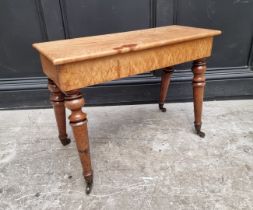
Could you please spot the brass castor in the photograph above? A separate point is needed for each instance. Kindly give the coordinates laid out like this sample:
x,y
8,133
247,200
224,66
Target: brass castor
x,y
163,109
64,140
89,184
199,132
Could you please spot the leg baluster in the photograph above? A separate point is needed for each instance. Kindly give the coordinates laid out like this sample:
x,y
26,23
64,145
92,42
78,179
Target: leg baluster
x,y
198,69
57,100
78,120
165,82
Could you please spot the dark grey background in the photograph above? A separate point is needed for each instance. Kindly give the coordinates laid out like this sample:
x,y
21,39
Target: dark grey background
x,y
22,84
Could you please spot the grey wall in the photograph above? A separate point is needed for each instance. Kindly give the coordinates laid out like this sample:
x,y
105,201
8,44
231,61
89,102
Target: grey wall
x,y
22,84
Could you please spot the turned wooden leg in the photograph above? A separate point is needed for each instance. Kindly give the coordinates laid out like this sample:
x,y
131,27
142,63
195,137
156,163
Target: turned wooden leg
x,y
78,120
57,100
198,83
165,82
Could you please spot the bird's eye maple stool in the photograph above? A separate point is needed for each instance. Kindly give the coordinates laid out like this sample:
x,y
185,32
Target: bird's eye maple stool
x,y
77,63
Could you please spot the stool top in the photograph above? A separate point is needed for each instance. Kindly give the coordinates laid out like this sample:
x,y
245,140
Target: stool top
x,y
85,48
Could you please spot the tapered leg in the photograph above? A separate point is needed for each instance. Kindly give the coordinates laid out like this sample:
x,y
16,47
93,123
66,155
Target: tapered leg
x,y
57,100
198,83
165,82
78,120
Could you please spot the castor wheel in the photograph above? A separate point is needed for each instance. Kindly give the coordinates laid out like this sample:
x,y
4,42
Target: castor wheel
x,y
163,109
65,141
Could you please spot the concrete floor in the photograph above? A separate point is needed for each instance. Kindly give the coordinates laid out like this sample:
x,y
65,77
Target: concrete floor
x,y
142,159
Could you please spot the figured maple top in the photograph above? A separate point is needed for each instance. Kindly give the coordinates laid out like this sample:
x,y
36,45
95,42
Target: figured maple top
x,y
85,48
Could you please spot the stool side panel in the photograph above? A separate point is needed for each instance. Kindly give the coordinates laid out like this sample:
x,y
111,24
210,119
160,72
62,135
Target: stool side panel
x,y
49,69
86,73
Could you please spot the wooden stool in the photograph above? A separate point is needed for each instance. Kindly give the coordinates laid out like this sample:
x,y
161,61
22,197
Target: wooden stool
x,y
77,63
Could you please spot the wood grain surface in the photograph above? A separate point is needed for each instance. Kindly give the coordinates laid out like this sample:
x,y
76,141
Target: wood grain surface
x,y
79,49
